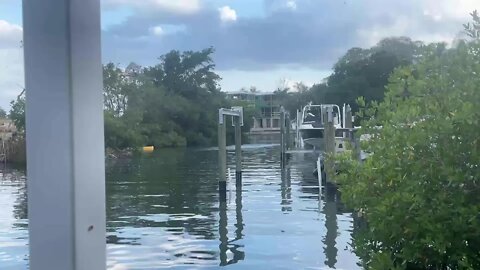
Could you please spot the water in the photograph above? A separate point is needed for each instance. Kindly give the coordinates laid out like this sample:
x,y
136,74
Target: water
x,y
163,212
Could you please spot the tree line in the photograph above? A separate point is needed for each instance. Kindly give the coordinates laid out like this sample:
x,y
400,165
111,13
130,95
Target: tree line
x,y
175,102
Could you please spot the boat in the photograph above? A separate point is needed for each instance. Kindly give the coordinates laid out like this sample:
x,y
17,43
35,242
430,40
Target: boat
x,y
312,123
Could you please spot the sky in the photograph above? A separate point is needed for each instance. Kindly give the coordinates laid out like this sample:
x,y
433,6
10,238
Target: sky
x,y
260,43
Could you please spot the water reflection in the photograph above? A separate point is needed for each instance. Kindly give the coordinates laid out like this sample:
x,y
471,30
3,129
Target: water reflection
x,y
330,210
286,189
163,212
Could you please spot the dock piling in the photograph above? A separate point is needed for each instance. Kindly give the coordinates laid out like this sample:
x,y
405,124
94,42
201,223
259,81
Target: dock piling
x,y
237,116
282,134
238,151
222,159
287,131
329,137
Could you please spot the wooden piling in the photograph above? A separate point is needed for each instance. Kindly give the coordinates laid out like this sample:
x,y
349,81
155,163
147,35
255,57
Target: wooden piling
x,y
297,129
222,159
287,131
329,131
238,151
329,137
282,133
348,117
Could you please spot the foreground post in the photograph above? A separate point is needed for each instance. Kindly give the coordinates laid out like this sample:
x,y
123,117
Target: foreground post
x,y
65,142
238,151
222,159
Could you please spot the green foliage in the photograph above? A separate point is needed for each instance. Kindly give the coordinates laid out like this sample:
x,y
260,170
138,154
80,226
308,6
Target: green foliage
x,y
174,103
293,100
418,191
359,73
17,113
473,29
3,113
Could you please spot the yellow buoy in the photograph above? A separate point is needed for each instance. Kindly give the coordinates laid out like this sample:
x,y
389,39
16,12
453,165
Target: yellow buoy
x,y
148,149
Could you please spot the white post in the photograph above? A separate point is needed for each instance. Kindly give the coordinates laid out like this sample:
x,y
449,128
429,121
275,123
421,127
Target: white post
x,y
65,142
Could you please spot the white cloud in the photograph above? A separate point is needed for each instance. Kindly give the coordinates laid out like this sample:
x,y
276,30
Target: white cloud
x,y
157,30
11,75
227,14
458,9
11,62
427,20
291,5
175,6
10,35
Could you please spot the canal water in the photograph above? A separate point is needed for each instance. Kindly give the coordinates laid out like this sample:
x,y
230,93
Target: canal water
x,y
163,212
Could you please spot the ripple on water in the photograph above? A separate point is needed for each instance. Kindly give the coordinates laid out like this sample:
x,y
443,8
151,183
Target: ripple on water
x,y
163,212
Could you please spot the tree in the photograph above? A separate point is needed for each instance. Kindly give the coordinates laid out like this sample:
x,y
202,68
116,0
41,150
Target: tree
x,y
174,103
418,191
365,72
359,73
117,87
17,112
473,29
3,113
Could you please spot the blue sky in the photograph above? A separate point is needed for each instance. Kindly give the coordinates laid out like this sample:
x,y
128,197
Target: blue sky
x,y
258,42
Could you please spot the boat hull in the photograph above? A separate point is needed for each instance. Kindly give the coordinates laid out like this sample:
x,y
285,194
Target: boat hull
x,y
312,137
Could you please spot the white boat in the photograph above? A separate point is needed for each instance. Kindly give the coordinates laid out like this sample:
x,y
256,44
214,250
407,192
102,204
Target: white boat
x,y
312,123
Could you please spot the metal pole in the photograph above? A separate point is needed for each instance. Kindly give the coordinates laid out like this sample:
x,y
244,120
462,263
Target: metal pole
x,y
65,134
222,158
238,151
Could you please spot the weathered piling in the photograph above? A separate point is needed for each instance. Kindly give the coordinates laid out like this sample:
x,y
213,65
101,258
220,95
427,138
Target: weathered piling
x,y
329,138
282,134
238,151
348,117
287,131
237,116
222,159
297,128
223,232
329,131
354,140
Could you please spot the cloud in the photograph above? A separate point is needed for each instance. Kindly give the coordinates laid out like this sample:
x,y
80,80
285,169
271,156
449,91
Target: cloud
x,y
11,62
157,30
291,5
314,36
227,14
176,6
11,75
10,35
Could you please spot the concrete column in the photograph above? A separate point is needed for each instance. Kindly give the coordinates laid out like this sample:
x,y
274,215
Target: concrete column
x,y
222,159
64,129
